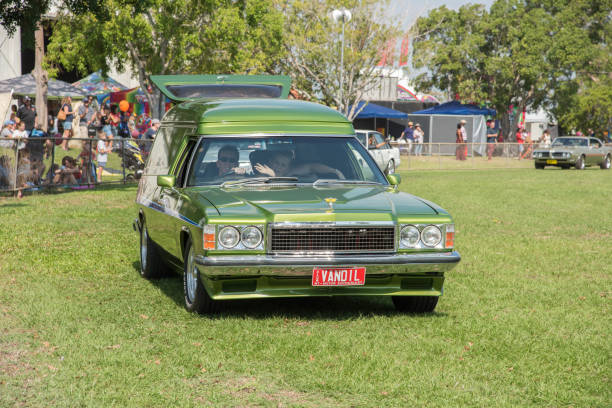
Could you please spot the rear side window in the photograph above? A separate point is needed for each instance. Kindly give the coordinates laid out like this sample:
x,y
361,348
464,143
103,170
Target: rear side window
x,y
159,160
226,91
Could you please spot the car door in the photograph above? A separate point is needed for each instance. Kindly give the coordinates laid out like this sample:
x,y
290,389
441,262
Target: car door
x,y
596,153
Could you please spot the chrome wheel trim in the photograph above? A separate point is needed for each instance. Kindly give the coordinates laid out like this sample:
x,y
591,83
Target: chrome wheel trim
x,y
191,275
607,162
144,237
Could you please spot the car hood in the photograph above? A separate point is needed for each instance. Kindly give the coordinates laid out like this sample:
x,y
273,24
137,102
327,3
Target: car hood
x,y
285,203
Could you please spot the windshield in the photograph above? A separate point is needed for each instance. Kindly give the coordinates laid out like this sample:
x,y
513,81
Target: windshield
x,y
570,141
286,159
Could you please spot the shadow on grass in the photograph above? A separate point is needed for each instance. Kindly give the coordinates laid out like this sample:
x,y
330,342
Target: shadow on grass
x,y
333,308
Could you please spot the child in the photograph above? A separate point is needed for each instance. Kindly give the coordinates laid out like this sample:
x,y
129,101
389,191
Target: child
x,y
103,150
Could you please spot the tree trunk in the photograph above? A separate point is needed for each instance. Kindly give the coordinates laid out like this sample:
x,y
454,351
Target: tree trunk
x,y
41,77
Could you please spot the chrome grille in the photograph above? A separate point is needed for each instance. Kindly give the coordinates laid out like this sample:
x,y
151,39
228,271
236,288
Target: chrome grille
x,y
333,239
558,155
545,154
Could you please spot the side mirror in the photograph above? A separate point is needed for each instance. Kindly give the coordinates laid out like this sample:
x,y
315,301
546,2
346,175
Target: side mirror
x,y
394,179
166,181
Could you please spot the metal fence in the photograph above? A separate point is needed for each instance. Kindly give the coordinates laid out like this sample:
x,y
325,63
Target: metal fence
x,y
39,162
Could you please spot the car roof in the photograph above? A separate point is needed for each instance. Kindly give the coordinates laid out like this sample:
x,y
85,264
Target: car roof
x,y
241,116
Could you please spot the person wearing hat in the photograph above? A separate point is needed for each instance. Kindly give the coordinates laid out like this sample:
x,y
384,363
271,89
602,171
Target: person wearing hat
x,y
418,139
7,133
408,136
152,131
27,114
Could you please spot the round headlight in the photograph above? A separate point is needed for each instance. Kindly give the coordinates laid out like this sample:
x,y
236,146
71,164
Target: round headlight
x,y
431,235
251,237
409,236
229,237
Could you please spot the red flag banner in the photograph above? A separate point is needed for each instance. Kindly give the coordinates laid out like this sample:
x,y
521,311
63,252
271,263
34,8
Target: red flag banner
x,y
386,58
403,60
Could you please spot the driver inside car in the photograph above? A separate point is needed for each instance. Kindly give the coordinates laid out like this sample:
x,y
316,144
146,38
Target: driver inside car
x,y
226,164
281,165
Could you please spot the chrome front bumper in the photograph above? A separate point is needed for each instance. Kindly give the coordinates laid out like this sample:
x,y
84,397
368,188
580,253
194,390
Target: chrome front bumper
x,y
268,265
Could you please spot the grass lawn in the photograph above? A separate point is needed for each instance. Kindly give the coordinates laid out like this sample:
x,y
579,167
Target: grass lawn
x,y
524,321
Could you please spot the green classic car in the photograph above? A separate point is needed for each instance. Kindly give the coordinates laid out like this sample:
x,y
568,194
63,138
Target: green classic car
x,y
577,151
268,197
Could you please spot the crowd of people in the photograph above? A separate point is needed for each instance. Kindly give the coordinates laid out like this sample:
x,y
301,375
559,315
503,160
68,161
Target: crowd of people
x,y
98,126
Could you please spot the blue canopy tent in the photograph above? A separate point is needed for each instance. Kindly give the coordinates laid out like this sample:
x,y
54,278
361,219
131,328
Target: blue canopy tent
x,y
456,108
440,123
373,111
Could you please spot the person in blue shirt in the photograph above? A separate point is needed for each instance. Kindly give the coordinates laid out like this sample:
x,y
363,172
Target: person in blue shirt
x,y
408,136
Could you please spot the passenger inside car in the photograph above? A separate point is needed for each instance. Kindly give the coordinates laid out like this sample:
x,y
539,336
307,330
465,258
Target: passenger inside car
x,y
226,164
281,165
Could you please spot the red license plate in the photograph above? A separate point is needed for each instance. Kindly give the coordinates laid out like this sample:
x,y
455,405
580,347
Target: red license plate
x,y
338,276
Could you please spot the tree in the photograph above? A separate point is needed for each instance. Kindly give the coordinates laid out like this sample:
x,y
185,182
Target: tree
x,y
519,53
313,42
170,37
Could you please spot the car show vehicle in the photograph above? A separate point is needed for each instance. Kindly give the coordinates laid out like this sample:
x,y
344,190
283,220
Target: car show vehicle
x,y
577,151
386,156
268,197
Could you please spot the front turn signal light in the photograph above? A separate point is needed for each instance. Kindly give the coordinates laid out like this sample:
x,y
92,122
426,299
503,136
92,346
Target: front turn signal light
x,y
209,237
449,242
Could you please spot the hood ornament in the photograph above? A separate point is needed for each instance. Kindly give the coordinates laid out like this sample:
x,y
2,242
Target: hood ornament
x,y
330,201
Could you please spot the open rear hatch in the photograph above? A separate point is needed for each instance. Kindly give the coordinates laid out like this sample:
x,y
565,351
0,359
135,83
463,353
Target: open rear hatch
x,y
180,88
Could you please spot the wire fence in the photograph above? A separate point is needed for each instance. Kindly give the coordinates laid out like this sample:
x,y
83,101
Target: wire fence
x,y
37,163
449,156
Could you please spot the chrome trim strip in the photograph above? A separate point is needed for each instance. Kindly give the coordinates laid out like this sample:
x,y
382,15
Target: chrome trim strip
x,y
254,265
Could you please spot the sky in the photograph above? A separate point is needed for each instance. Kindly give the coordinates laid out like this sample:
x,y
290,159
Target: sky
x,y
410,10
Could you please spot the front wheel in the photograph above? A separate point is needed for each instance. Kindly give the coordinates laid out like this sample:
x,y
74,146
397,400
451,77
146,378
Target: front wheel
x,y
415,304
539,166
580,163
196,298
605,164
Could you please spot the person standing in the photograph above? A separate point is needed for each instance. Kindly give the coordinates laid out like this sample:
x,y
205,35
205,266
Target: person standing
x,y
103,149
491,138
27,114
86,115
69,117
459,142
545,140
408,136
418,139
520,141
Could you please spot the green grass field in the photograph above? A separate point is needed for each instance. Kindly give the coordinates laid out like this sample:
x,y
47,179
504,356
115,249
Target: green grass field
x,y
524,321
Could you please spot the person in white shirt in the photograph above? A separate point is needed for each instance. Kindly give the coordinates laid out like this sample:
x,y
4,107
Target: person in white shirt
x,y
103,149
418,139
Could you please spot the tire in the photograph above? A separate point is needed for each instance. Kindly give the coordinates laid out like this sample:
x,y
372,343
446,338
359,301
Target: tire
x,y
539,166
151,263
390,167
415,304
580,163
605,164
196,298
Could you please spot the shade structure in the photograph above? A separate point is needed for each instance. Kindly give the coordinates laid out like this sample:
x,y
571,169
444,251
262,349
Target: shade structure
x,y
95,84
456,108
372,110
26,85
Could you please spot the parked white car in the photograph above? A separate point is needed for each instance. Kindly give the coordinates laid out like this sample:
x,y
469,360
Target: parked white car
x,y
387,157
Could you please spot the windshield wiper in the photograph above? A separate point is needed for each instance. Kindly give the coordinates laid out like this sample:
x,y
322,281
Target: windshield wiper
x,y
341,181
258,180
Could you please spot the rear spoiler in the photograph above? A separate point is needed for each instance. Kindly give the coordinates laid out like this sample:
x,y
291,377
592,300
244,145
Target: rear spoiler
x,y
180,88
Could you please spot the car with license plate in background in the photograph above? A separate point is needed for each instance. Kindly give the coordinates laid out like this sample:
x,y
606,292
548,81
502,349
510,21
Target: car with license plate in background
x,y
250,195
386,156
577,151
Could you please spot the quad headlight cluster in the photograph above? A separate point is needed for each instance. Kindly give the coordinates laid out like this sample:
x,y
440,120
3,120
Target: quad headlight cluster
x,y
424,236
233,237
